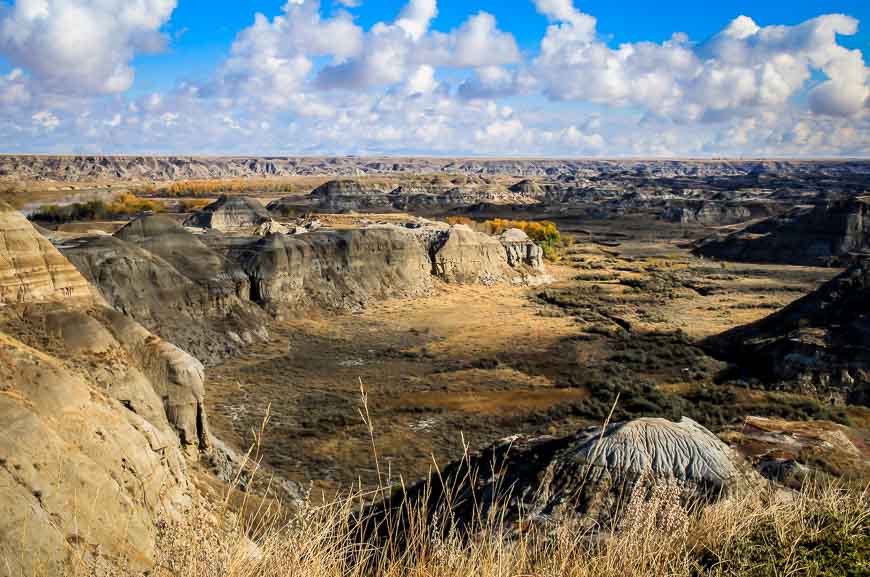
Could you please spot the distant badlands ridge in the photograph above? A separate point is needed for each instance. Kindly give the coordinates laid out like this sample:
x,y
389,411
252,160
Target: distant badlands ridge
x,y
167,168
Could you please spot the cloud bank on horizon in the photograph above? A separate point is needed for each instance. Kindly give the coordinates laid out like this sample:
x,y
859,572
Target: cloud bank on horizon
x,y
307,82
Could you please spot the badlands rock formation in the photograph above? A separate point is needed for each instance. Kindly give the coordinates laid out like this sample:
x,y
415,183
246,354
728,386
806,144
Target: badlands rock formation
x,y
230,213
819,344
590,475
828,234
461,255
344,270
334,270
418,195
795,452
173,283
347,195
82,475
521,251
30,267
101,415
98,414
118,168
208,292
713,213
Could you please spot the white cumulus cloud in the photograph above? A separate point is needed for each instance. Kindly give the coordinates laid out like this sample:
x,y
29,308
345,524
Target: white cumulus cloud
x,y
83,46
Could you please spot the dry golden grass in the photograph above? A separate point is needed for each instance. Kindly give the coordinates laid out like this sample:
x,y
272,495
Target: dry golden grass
x,y
824,530
821,531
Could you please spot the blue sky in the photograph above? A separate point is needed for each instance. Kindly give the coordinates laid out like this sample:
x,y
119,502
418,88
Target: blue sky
x,y
443,77
208,28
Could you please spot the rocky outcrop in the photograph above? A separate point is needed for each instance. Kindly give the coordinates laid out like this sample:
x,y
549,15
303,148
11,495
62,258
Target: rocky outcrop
x,y
177,377
521,250
81,476
590,476
711,213
31,269
207,293
796,452
529,188
345,270
463,256
351,195
174,284
828,234
819,344
231,213
99,415
163,237
336,270
272,227
417,199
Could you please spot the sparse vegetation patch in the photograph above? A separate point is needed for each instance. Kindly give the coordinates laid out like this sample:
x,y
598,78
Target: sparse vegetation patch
x,y
125,206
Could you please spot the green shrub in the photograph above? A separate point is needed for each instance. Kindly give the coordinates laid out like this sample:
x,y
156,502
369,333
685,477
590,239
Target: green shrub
x,y
125,206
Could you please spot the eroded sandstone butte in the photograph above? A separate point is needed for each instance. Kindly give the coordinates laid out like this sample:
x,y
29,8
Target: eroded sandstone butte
x,y
99,416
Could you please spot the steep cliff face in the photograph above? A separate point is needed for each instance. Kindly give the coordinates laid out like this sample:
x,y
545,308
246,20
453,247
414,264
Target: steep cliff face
x,y
335,270
31,269
351,195
161,236
341,270
210,294
521,250
711,213
819,344
827,234
464,256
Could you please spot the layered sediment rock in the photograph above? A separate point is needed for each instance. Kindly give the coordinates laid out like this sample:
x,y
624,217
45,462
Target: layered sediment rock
x,y
827,234
207,293
351,195
126,168
231,213
711,213
819,344
31,269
